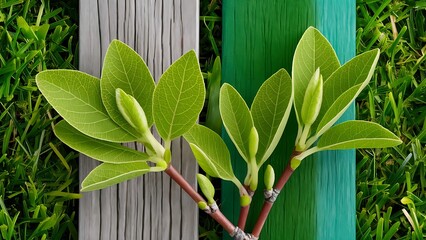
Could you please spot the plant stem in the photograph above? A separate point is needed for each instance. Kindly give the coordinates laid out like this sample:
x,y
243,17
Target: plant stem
x,y
267,205
244,211
217,215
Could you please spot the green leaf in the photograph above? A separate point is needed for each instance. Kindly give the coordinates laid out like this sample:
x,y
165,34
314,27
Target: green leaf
x,y
270,110
357,134
100,150
343,86
76,96
179,97
210,151
108,174
313,51
236,118
124,68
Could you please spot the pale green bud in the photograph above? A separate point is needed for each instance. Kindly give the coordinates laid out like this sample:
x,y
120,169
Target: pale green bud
x,y
203,205
167,155
253,142
269,177
313,99
245,200
162,164
253,184
206,187
131,110
294,163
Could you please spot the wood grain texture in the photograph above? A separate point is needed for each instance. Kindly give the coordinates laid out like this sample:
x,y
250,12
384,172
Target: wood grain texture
x,y
152,206
259,37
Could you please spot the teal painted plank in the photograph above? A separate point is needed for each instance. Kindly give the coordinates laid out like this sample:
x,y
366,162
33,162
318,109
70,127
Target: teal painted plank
x,y
336,20
259,37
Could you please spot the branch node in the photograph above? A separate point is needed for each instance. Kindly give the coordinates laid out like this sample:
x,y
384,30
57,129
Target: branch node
x,y
252,237
271,195
239,234
213,207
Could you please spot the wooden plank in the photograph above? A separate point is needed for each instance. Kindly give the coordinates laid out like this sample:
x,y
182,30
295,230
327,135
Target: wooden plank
x,y
259,37
152,206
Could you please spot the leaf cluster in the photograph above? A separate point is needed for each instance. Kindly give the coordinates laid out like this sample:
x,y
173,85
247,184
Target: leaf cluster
x,y
122,106
125,102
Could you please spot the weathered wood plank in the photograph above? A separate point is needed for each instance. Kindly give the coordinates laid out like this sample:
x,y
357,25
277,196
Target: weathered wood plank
x,y
150,207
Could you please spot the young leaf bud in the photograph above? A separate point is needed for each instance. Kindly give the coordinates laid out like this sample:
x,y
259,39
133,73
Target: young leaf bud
x,y
162,164
245,200
206,187
269,177
253,142
131,110
203,205
313,99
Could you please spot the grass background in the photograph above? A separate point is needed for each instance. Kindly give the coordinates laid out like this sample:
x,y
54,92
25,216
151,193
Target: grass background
x,y
391,183
38,175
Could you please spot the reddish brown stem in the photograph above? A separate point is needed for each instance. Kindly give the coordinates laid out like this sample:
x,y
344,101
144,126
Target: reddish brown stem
x,y
217,215
284,177
244,211
288,171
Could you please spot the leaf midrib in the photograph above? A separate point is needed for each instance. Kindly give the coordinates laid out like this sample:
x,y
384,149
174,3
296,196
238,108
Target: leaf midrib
x,y
118,176
273,123
79,99
238,129
358,139
125,72
177,100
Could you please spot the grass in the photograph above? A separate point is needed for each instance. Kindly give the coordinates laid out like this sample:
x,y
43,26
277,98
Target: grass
x,y
38,175
391,183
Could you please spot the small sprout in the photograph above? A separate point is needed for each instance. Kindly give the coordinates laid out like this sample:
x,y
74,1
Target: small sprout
x,y
206,187
131,110
245,200
294,163
313,99
203,205
269,177
253,142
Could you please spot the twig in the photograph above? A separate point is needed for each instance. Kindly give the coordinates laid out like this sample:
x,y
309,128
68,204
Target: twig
x,y
216,215
244,210
270,199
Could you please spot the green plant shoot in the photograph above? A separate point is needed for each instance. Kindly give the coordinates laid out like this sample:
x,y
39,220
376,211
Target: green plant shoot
x,y
125,103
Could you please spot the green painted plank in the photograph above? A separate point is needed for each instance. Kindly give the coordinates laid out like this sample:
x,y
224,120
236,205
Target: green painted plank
x,y
259,37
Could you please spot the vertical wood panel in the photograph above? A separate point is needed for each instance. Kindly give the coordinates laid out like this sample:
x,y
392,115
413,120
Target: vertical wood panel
x,y
152,206
259,37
